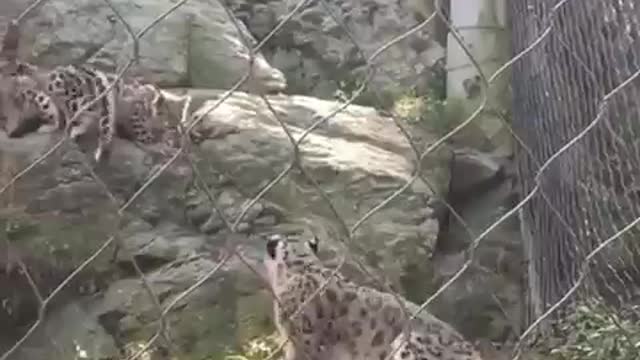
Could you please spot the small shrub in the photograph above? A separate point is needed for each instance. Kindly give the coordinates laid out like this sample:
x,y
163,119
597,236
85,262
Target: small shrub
x,y
427,107
348,87
596,332
436,114
256,349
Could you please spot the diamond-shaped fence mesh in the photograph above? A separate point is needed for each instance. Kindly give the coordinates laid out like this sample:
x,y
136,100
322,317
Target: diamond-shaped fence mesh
x,y
574,70
575,109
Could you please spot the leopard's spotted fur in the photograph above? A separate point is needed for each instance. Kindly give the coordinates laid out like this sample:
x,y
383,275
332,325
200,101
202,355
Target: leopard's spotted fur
x,y
346,320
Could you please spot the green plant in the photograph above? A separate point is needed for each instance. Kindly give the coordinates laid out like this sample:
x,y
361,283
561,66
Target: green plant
x,y
257,349
435,113
423,104
349,85
595,331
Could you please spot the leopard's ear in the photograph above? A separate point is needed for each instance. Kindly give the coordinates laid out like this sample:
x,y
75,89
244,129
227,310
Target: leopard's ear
x,y
274,242
313,244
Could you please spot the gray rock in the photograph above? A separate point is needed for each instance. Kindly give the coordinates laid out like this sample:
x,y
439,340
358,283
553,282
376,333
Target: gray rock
x,y
83,337
197,45
319,57
166,242
486,301
358,159
471,169
203,323
213,224
61,213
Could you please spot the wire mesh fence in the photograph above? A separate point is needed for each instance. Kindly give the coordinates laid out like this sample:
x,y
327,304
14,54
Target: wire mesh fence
x,y
574,71
575,103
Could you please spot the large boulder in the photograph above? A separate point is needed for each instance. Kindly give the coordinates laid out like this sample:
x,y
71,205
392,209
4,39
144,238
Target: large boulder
x,y
58,216
321,58
358,159
196,45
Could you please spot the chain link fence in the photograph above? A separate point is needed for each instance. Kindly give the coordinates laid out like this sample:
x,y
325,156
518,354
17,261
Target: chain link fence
x,y
574,113
575,108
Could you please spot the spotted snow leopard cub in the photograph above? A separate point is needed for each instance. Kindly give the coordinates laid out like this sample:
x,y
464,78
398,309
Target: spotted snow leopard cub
x,y
34,98
53,97
347,321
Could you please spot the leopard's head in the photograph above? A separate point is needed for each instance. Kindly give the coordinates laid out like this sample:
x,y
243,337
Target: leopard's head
x,y
287,256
